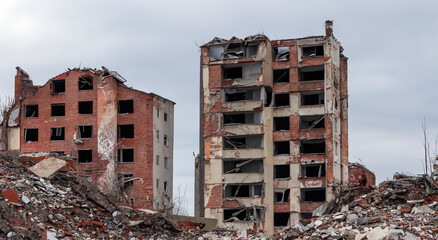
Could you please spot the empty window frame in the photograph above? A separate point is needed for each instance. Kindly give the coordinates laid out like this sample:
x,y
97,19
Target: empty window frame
x,y
243,118
165,140
157,160
281,124
313,51
31,134
313,73
238,94
58,110
306,215
281,53
312,98
281,147
85,83
31,111
165,117
252,141
281,75
157,183
166,166
85,156
281,195
312,146
158,113
313,194
85,107
126,179
313,170
281,171
57,134
281,219
281,100
165,186
243,166
243,214
157,135
243,190
58,86
232,73
85,132
125,155
311,122
125,131
125,106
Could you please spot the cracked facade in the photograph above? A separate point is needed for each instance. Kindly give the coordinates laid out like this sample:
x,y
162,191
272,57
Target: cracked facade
x,y
121,138
274,129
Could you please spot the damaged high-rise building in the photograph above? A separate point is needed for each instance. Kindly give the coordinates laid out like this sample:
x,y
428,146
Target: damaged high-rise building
x,y
120,138
273,129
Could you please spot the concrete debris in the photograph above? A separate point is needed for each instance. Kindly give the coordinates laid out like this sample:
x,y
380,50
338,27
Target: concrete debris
x,y
48,167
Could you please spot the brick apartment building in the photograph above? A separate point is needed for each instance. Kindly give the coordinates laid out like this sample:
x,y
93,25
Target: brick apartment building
x,y
274,129
121,138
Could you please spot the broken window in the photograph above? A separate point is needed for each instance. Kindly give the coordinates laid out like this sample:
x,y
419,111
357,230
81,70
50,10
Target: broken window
x,y
281,219
125,106
85,107
31,134
165,140
242,118
281,100
85,156
313,170
85,83
165,117
234,49
238,94
313,195
243,190
281,171
281,53
281,75
281,195
165,186
312,98
281,123
85,132
58,110
306,215
243,166
57,134
314,73
281,147
126,131
232,73
165,162
312,146
314,51
58,86
31,111
157,160
311,122
251,49
243,214
252,141
125,155
215,52
127,179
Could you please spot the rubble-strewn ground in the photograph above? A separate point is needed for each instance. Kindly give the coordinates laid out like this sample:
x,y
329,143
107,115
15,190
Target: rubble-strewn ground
x,y
69,207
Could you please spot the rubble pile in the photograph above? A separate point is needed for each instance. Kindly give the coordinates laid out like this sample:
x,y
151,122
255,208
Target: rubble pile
x,y
402,208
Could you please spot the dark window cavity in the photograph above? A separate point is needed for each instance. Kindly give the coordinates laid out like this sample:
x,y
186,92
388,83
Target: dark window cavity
x,y
314,73
281,195
85,132
158,113
281,219
313,195
281,147
314,51
58,110
31,111
313,170
281,171
126,131
125,155
312,146
243,166
232,73
242,118
31,134
252,141
126,179
281,100
85,83
311,122
85,107
165,163
237,94
60,153
165,117
281,123
281,53
57,133
306,215
243,214
85,156
243,190
165,186
281,75
312,98
58,86
125,106
166,143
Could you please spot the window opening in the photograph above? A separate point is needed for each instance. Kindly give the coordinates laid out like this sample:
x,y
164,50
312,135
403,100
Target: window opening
x,y
85,156
281,100
85,83
165,186
242,118
313,146
165,162
85,107
165,117
314,73
31,134
57,133
31,111
58,86
165,140
310,122
85,131
126,179
314,98
158,113
313,194
232,73
243,214
281,75
281,195
233,94
313,170
281,123
243,190
281,53
158,135
306,215
125,155
58,110
252,141
281,219
157,160
125,106
158,183
314,51
282,147
126,131
281,171
243,166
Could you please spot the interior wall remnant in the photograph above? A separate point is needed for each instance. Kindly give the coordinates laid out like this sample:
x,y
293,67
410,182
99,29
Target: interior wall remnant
x,y
313,73
281,219
281,195
313,195
243,166
312,146
281,171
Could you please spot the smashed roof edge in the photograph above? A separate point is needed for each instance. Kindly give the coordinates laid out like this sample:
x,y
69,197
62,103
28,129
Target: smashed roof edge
x,y
234,39
358,165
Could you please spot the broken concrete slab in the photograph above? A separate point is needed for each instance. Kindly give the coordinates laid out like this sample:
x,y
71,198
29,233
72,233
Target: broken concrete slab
x,y
47,167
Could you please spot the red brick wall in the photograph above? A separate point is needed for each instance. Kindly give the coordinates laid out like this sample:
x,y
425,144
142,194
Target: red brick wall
x,y
360,176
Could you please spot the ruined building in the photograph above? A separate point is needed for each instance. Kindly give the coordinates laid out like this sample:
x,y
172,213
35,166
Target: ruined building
x,y
121,138
273,134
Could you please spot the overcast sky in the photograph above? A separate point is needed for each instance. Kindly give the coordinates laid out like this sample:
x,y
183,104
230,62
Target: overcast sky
x,y
391,46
